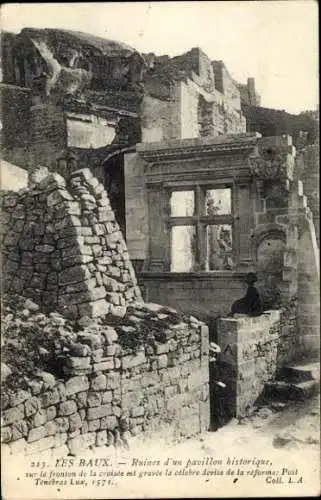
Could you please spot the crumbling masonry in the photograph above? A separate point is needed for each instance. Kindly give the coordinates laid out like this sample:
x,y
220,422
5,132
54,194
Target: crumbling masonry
x,y
93,382
64,249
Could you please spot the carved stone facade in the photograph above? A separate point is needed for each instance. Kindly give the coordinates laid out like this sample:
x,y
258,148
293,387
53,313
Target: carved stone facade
x,y
194,258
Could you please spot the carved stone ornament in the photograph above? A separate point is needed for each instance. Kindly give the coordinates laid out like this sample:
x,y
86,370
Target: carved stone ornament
x,y
269,165
67,163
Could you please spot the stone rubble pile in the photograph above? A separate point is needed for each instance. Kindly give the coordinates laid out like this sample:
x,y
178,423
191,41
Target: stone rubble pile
x,y
105,383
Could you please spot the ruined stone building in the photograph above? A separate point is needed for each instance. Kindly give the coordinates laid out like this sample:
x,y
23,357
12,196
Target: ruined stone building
x,y
145,187
201,200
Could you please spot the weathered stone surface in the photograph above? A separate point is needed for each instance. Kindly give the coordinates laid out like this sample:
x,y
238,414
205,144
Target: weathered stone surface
x,y
112,380
132,361
62,423
77,384
101,438
19,397
6,434
110,335
94,399
98,383
74,275
99,412
39,418
36,434
79,363
104,365
67,408
107,397
51,428
13,414
75,422
108,422
95,309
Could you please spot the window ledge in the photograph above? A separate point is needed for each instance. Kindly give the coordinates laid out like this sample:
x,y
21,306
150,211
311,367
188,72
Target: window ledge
x,y
172,276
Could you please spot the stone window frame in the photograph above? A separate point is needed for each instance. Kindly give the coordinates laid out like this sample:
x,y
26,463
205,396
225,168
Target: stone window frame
x,y
198,220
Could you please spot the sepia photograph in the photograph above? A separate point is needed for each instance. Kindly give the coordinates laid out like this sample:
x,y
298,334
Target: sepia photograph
x,y
160,233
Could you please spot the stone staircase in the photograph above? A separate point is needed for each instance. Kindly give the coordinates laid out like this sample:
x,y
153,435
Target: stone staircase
x,y
295,382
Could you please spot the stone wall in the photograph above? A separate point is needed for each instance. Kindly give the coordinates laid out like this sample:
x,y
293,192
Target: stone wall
x,y
308,292
206,298
148,369
63,248
15,116
309,173
253,352
48,134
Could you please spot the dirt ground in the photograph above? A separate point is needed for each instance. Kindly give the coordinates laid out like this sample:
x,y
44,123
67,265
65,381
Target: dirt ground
x,y
292,426
274,452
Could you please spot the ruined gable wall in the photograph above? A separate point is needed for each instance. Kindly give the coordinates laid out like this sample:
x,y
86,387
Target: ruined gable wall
x,y
63,248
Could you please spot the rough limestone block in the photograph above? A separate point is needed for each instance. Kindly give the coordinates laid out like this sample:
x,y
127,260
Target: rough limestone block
x,y
94,309
94,425
74,275
13,414
108,422
107,397
62,423
162,348
132,361
79,363
39,418
150,379
98,383
75,422
67,408
170,391
80,350
97,355
137,411
110,335
50,397
94,340
105,365
94,399
112,380
19,397
51,428
76,384
162,361
99,412
36,434
32,406
19,430
6,434
111,350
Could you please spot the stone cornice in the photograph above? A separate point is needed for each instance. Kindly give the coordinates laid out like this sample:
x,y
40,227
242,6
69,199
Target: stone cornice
x,y
193,148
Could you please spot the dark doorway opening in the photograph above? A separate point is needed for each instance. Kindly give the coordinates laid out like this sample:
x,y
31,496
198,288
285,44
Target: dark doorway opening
x,y
115,187
219,385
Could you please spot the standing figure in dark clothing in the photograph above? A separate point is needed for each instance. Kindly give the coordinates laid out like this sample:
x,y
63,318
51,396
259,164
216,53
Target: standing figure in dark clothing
x,y
250,304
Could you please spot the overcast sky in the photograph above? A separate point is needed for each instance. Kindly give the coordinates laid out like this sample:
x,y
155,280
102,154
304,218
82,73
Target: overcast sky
x,y
274,41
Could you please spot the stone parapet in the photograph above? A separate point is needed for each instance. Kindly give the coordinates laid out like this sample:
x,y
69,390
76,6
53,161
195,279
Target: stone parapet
x,y
253,350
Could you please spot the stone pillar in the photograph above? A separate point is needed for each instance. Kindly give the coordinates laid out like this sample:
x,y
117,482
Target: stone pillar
x,y
250,351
